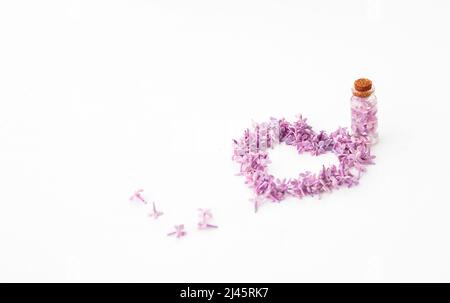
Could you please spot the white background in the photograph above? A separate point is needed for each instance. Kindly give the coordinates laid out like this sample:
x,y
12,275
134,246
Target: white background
x,y
100,98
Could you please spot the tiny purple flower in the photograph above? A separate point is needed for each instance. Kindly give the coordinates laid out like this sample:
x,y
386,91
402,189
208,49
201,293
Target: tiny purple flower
x,y
205,216
138,195
179,231
155,214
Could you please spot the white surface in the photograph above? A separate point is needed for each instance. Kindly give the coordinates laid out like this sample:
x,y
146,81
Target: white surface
x,y
99,98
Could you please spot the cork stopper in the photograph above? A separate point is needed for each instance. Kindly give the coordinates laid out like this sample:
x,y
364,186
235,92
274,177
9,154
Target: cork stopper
x,y
362,88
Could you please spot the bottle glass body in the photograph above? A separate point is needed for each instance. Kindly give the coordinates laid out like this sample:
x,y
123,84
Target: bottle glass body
x,y
364,117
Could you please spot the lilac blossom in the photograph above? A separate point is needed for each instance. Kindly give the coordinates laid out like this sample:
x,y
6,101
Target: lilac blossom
x,y
155,213
179,231
257,201
138,195
353,153
205,216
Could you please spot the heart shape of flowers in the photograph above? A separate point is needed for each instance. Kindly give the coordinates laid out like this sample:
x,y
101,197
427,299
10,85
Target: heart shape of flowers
x,y
353,153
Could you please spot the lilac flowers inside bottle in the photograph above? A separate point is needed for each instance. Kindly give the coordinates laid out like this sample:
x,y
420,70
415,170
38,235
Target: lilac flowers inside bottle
x,y
364,110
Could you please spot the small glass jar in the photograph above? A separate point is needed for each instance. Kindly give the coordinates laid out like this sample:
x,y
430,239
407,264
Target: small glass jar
x,y
364,110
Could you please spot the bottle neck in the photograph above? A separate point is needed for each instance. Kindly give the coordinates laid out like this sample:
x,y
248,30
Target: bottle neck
x,y
363,94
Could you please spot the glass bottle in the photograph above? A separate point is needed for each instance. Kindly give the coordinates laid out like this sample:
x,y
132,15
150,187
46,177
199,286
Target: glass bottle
x,y
364,110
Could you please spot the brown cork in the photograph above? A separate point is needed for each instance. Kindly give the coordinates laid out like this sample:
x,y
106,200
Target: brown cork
x,y
362,88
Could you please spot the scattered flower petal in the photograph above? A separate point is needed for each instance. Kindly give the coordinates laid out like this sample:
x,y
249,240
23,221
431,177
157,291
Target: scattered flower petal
x,y
179,231
155,214
138,195
364,117
352,151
